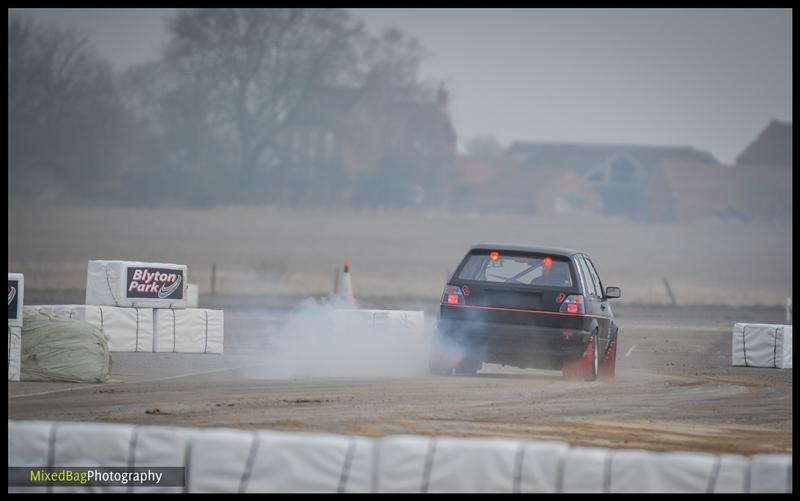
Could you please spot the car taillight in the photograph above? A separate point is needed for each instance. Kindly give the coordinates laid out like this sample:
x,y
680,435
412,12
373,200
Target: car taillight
x,y
573,304
453,295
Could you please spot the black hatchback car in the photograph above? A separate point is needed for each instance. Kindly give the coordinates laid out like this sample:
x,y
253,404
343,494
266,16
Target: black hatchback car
x,y
528,307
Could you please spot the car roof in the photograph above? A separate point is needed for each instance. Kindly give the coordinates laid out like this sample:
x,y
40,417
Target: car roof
x,y
526,248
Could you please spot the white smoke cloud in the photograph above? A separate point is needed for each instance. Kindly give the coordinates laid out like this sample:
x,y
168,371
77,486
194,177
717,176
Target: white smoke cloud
x,y
322,338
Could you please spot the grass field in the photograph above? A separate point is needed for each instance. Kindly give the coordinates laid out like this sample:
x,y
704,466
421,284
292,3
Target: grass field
x,y
260,250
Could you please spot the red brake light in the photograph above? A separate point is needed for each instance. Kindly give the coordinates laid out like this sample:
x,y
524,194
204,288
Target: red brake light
x,y
453,295
573,304
548,261
494,255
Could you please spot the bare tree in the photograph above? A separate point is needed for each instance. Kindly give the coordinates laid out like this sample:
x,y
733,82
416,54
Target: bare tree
x,y
256,65
61,105
390,61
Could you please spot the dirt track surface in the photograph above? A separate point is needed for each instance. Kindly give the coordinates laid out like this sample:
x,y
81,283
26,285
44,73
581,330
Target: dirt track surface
x,y
674,390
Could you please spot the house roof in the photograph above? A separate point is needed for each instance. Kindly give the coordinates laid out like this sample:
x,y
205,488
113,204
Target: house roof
x,y
773,146
751,191
582,157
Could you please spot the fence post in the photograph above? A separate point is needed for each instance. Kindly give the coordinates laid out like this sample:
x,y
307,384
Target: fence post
x,y
669,291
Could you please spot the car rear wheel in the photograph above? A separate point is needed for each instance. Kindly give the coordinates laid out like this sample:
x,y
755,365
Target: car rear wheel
x,y
594,367
608,365
468,366
441,361
586,367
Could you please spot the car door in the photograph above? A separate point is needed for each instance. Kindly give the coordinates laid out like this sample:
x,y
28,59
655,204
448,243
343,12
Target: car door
x,y
595,302
604,310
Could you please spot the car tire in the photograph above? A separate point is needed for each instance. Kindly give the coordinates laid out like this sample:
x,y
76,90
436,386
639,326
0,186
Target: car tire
x,y
608,365
441,362
580,369
468,367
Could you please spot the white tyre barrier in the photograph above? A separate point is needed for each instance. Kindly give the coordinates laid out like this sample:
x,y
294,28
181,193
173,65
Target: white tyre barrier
x,y
401,464
217,459
16,296
126,329
192,296
539,467
762,345
583,469
652,472
290,462
157,446
238,461
770,473
16,293
64,444
477,465
14,352
225,460
132,283
189,331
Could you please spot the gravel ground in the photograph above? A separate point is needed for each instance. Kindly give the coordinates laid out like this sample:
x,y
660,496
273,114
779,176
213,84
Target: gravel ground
x,y
674,390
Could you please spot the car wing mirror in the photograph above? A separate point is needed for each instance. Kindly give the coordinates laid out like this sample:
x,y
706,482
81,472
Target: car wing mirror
x,y
613,292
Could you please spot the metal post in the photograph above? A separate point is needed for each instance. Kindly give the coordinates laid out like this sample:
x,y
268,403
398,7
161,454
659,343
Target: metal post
x,y
669,291
214,279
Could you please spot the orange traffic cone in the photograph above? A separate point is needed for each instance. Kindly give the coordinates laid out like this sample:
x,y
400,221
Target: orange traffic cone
x,y
345,287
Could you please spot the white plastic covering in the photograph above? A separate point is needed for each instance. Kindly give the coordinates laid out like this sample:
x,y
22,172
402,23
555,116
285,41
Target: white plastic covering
x,y
28,445
474,465
191,330
46,443
14,347
225,460
762,345
770,473
127,329
679,472
192,296
583,469
107,284
539,466
239,461
16,296
218,459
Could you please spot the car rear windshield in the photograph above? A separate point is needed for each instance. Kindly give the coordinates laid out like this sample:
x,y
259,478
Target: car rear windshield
x,y
516,268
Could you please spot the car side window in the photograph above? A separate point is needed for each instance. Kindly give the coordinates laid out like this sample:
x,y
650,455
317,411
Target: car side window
x,y
591,288
596,277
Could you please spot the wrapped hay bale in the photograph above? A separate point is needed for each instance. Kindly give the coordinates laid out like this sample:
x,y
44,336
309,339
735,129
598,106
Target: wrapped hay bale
x,y
56,349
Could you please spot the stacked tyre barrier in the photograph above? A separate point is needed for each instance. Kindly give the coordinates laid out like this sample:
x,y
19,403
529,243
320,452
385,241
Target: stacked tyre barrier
x,y
762,345
145,307
16,293
227,460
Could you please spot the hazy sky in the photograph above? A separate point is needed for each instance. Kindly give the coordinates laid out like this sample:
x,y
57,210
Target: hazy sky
x,y
710,78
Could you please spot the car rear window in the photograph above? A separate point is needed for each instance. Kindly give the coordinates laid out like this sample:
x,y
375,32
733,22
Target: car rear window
x,y
526,269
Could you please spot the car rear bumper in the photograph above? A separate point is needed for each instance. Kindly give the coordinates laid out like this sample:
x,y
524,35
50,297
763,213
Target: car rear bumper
x,y
514,344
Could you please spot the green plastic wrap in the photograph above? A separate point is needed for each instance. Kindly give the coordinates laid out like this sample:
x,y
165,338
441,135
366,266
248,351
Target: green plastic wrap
x,y
56,349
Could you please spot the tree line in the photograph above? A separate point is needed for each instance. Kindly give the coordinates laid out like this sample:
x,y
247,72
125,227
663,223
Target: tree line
x,y
207,122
